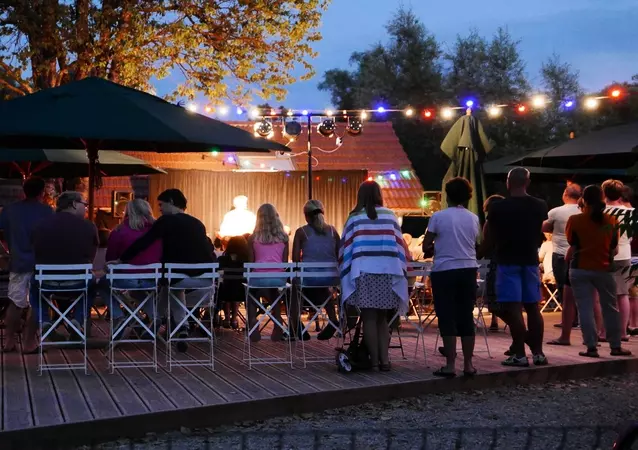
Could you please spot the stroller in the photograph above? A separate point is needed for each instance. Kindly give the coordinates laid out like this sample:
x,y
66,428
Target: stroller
x,y
355,355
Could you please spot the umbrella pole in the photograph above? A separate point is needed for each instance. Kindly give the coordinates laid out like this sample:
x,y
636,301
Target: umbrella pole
x,y
309,158
92,154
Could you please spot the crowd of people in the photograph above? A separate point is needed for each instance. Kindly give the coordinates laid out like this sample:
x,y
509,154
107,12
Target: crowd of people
x,y
588,256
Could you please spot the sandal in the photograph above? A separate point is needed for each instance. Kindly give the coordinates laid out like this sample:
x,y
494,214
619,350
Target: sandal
x,y
385,367
590,353
558,342
620,352
443,373
471,373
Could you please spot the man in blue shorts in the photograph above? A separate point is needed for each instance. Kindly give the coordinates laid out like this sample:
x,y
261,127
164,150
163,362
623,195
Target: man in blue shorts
x,y
513,231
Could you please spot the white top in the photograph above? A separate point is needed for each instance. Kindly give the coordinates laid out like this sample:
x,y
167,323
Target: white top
x,y
558,217
545,257
624,244
457,231
237,223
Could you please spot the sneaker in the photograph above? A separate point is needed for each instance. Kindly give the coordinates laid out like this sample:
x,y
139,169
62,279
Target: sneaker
x,y
515,361
540,360
182,346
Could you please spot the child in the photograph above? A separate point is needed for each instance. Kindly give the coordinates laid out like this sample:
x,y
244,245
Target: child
x,y
491,275
231,290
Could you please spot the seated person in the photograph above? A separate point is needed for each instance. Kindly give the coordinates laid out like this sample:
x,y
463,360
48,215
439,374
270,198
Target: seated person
x,y
231,290
316,242
545,258
138,220
66,237
184,241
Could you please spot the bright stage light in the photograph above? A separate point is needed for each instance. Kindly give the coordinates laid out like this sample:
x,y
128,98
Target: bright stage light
x,y
494,111
355,126
393,177
568,104
292,129
469,103
380,109
264,129
592,103
409,112
327,128
304,112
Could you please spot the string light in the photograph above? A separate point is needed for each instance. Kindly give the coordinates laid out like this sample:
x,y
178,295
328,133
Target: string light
x,y
304,112
592,103
427,114
494,111
192,107
409,112
230,159
239,111
364,115
329,113
469,103
447,113
539,101
289,113
254,113
522,109
405,173
393,177
208,109
380,109
223,110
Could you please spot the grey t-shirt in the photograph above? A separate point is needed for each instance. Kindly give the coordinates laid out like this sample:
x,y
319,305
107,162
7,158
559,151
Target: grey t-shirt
x,y
558,217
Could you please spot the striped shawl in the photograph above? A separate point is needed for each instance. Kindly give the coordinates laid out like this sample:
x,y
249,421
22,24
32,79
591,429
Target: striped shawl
x,y
373,247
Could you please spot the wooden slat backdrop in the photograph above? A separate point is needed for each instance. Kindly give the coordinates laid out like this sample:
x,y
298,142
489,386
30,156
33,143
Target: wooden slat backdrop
x,y
210,194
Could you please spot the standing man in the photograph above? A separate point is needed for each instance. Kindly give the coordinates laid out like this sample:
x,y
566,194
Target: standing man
x,y
555,224
18,221
514,230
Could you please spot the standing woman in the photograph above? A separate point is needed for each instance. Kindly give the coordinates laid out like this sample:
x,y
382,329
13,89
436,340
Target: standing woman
x,y
373,269
593,238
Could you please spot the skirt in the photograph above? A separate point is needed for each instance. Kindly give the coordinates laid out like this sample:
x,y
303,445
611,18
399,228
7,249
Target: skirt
x,y
374,291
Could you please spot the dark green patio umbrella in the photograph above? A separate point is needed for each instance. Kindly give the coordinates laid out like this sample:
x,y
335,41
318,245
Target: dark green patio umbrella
x,y
466,144
95,114
23,163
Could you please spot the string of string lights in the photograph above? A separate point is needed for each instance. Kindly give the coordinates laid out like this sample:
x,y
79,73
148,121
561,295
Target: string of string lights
x,y
445,112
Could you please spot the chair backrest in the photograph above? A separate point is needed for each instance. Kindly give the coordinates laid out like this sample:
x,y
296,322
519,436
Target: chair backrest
x,y
264,271
484,268
311,272
134,272
418,269
64,272
174,271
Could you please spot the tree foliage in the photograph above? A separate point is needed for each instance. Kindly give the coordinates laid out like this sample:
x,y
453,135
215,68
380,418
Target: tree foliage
x,y
411,69
223,48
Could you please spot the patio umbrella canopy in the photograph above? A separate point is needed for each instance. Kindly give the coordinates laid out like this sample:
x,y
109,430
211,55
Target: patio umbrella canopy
x,y
23,163
466,144
610,148
93,114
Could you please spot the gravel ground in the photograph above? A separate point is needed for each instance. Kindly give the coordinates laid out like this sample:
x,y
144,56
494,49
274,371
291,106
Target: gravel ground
x,y
609,402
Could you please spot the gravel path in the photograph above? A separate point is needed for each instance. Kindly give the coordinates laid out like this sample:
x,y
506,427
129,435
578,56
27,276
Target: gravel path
x,y
608,402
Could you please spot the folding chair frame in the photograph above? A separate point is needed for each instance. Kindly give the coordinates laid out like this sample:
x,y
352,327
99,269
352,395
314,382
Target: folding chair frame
x,y
305,274
206,299
553,298
123,272
269,271
47,275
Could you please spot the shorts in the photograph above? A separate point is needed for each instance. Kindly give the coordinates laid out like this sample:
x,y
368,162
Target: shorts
x,y
18,291
518,284
454,293
623,278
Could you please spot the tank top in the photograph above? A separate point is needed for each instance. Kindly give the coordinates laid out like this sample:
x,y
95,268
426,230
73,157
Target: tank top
x,y
268,253
318,247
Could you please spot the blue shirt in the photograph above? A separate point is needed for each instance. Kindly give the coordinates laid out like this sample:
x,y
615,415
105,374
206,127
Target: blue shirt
x,y
18,221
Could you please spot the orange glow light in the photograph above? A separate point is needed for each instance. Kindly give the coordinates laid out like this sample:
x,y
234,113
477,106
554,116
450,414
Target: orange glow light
x,y
616,93
522,109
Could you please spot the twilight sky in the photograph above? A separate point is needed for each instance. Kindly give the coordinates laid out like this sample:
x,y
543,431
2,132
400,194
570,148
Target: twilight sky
x,y
598,37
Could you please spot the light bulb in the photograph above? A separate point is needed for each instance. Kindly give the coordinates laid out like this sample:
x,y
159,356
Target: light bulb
x,y
592,103
409,112
447,113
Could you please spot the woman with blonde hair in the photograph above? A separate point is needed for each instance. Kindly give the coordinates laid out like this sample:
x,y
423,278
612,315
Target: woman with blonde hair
x,y
268,244
138,219
316,242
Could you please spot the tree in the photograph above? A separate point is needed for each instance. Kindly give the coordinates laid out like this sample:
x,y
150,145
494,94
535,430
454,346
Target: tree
x,y
252,45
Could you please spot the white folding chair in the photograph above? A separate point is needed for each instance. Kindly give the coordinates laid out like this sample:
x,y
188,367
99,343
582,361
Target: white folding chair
x,y
552,293
201,296
261,276
314,276
70,282
144,280
415,270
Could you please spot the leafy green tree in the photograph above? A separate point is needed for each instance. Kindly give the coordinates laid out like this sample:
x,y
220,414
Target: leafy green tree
x,y
223,48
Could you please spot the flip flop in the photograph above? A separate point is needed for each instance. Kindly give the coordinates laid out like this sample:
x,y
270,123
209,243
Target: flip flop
x,y
557,342
470,374
443,374
590,354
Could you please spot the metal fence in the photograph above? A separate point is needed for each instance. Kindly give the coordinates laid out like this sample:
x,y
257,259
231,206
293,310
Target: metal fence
x,y
510,438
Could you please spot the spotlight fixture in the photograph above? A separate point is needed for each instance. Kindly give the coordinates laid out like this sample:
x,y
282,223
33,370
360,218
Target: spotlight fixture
x,y
355,126
264,129
292,129
327,128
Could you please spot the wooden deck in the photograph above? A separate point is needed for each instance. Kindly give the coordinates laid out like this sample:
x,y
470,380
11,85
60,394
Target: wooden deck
x,y
134,401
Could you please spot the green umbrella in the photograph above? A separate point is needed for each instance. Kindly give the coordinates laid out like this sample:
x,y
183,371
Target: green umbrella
x,y
23,163
466,144
93,114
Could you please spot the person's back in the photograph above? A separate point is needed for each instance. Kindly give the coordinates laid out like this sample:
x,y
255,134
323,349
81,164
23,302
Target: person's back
x,y
319,247
124,236
456,230
594,242
558,217
65,238
18,221
515,226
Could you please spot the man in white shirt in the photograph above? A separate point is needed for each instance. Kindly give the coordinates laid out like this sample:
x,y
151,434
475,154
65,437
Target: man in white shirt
x,y
613,191
555,224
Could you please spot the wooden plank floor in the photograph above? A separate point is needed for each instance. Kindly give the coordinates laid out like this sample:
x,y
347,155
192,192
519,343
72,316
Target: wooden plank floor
x,y
67,397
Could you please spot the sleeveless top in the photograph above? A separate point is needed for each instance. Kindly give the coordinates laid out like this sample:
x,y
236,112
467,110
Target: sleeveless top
x,y
318,247
268,253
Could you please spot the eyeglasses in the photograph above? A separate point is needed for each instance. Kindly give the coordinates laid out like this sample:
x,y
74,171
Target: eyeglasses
x,y
82,203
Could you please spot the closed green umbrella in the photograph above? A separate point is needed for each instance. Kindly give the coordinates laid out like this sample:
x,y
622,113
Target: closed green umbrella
x,y
466,144
95,114
23,163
